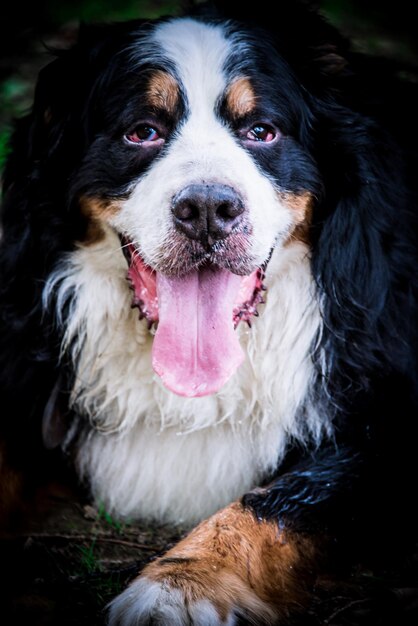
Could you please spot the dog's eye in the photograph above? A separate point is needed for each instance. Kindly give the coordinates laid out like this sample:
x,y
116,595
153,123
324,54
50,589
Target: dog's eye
x,y
144,133
261,132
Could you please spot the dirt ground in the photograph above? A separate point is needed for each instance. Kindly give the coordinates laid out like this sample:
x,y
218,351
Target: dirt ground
x,y
68,560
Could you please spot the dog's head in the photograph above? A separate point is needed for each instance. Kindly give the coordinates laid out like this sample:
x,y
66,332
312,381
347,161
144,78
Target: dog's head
x,y
194,139
197,165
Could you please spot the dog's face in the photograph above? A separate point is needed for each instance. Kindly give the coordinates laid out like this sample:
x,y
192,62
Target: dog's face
x,y
197,162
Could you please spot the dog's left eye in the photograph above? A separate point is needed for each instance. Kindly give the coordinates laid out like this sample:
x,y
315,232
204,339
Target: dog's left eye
x,y
144,134
261,132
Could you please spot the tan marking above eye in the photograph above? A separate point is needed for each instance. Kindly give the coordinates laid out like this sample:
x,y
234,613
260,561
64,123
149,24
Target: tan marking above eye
x,y
163,91
241,99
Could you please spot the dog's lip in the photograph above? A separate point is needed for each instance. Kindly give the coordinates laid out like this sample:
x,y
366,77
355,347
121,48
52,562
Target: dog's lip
x,y
142,279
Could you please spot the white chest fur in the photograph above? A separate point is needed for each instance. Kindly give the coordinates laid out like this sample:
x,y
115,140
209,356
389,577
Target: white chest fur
x,y
153,454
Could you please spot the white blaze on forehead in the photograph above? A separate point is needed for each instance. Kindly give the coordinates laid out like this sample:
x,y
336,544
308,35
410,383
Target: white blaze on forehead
x,y
199,52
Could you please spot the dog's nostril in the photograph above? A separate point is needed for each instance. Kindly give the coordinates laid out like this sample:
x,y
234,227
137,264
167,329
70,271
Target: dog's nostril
x,y
187,211
225,211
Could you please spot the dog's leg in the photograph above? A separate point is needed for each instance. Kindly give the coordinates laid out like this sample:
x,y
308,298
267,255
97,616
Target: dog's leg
x,y
254,560
230,565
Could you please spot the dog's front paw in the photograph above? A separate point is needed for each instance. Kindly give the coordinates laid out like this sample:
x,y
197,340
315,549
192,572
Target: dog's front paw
x,y
231,568
189,598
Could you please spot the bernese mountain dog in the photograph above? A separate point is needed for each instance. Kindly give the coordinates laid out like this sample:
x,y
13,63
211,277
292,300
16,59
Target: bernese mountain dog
x,y
209,301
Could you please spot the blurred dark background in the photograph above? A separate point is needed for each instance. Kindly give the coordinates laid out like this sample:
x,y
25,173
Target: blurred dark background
x,y
379,22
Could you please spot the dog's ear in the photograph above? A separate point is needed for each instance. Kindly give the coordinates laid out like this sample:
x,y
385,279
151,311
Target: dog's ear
x,y
56,131
312,46
367,225
45,147
37,223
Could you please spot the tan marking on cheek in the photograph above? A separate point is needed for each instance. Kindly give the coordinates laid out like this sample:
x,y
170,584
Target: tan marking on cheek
x,y
241,99
301,206
234,560
163,91
97,211
99,208
94,233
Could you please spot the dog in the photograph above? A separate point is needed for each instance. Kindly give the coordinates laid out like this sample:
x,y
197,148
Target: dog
x,y
209,301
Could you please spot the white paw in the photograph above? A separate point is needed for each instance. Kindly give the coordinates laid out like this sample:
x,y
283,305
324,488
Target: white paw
x,y
146,602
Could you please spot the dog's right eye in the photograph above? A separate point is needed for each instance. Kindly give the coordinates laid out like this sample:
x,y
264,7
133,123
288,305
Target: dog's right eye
x,y
144,134
261,132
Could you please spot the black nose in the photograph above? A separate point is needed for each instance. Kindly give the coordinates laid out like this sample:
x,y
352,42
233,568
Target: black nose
x,y
207,212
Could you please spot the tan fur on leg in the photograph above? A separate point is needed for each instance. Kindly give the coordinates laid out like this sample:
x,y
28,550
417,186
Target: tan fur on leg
x,y
230,563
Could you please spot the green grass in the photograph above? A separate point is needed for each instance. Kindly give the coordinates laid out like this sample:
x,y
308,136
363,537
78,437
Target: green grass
x,y
114,524
88,561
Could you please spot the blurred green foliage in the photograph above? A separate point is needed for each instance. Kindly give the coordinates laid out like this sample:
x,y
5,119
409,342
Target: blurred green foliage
x,y
106,10
4,146
377,27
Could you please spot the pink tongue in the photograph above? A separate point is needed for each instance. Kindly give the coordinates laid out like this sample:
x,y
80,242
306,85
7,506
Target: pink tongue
x,y
195,349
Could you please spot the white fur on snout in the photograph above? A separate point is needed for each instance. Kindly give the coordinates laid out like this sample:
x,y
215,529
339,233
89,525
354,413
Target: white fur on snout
x,y
145,602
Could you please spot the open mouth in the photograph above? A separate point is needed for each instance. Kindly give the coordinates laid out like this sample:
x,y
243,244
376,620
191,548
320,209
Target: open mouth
x,y
195,348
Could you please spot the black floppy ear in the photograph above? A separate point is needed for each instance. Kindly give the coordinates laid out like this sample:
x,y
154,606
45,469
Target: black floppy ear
x,y
367,225
38,136
44,149
37,224
60,124
55,133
